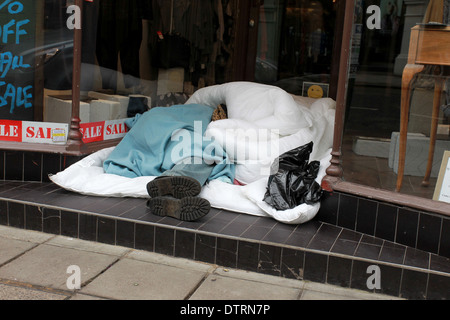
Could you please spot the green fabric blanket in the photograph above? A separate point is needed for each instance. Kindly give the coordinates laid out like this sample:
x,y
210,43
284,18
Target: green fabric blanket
x,y
164,136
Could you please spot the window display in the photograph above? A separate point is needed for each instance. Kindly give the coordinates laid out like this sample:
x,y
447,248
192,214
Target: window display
x,y
396,128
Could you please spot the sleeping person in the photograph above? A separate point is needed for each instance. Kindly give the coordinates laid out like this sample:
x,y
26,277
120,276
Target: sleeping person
x,y
169,143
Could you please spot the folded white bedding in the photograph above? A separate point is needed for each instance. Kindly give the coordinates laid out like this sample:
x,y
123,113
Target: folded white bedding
x,y
264,122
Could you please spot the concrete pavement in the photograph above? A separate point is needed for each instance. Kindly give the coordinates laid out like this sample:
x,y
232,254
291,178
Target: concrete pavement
x,y
38,266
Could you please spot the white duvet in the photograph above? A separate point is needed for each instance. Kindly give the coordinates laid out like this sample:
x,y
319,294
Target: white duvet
x,y
264,122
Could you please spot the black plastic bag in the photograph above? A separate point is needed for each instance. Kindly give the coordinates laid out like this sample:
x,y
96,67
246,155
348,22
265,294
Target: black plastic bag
x,y
292,180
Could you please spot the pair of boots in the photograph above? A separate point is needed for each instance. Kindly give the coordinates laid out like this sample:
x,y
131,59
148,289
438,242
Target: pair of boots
x,y
176,197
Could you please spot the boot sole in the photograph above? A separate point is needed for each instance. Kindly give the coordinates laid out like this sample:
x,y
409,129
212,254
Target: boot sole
x,y
185,209
177,187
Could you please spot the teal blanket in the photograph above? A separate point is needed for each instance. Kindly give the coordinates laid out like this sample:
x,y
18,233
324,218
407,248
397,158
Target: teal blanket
x,y
164,136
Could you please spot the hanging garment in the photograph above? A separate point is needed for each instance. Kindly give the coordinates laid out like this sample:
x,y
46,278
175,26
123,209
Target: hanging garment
x,y
120,33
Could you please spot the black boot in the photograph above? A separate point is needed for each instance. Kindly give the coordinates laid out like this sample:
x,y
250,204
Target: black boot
x,y
185,209
175,186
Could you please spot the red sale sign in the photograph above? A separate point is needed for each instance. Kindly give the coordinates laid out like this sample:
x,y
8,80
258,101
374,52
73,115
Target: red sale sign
x,y
92,131
11,130
57,133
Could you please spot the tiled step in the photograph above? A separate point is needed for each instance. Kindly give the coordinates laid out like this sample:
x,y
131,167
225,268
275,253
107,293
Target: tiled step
x,y
315,251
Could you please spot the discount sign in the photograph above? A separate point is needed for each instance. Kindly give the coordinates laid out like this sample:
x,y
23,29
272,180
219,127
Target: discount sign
x,y
16,90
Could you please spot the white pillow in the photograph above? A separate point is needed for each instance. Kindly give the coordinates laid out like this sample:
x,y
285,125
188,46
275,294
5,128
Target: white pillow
x,y
266,106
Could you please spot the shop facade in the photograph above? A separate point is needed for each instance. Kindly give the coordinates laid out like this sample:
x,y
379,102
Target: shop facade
x,y
67,88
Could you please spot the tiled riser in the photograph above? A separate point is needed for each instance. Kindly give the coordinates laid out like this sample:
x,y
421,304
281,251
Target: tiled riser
x,y
314,251
322,261
422,230
32,166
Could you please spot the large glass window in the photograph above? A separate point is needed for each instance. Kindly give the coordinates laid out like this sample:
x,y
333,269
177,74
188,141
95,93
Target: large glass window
x,y
138,54
35,59
135,54
397,131
295,44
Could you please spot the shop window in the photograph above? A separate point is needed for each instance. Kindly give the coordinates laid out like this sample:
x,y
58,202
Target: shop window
x,y
142,54
36,58
295,45
135,55
409,41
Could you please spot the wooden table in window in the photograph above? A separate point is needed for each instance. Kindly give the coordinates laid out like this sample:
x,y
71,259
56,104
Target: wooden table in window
x,y
429,45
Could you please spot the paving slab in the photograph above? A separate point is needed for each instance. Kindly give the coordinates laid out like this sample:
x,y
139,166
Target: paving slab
x,y
170,261
8,292
47,266
11,248
320,291
24,235
84,245
131,279
217,287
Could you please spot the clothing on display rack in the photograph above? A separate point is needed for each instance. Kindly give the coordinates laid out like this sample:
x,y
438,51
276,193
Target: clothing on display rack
x,y
203,24
120,33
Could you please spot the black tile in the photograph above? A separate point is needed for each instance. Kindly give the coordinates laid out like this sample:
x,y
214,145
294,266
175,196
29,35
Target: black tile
x,y
32,169
348,206
125,233
169,221
218,222
87,227
417,258
255,232
444,247
292,263
144,237
414,285
438,287
67,161
106,230
205,248
328,211
104,205
248,256
347,242
369,247
3,213
390,280
325,237
339,271
51,164
226,253
392,252
184,244
16,214
386,221
303,234
164,240
51,221
149,217
429,232
69,224
407,227
366,217
121,206
279,233
439,263
361,277
33,218
239,225
14,165
269,259
315,267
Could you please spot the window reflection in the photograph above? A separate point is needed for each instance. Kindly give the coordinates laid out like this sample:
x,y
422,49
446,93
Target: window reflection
x,y
373,116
